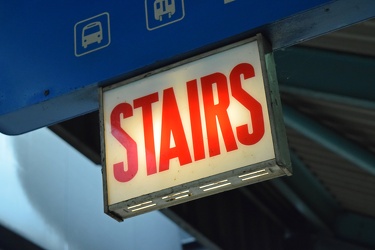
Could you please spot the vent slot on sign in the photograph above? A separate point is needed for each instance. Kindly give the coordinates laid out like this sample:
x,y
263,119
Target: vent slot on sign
x,y
176,196
215,185
253,175
141,206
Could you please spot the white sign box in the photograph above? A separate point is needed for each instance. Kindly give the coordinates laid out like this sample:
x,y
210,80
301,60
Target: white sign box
x,y
199,127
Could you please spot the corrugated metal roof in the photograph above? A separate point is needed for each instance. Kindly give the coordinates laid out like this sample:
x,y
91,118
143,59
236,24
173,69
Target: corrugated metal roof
x,y
358,39
352,187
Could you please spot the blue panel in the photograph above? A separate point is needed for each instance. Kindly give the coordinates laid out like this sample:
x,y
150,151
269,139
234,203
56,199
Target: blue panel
x,y
345,75
51,49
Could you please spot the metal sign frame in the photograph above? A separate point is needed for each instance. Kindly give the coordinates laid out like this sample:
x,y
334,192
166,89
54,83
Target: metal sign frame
x,y
261,171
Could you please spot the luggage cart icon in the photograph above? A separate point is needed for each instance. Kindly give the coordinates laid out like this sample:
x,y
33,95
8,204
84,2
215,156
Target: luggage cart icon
x,y
160,13
162,7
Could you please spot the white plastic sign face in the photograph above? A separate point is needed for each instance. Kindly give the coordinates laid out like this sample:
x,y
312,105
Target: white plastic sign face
x,y
190,122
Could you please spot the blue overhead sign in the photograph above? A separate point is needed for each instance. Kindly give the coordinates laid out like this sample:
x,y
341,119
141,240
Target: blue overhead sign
x,y
54,54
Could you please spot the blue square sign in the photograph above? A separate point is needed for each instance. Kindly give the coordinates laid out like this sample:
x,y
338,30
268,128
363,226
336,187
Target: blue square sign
x,y
160,13
92,34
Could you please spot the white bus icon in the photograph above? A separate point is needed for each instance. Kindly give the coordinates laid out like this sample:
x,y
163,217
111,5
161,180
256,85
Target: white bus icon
x,y
162,7
92,33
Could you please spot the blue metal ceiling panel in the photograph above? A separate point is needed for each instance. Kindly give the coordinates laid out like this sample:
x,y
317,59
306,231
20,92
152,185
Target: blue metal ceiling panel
x,y
327,72
45,55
